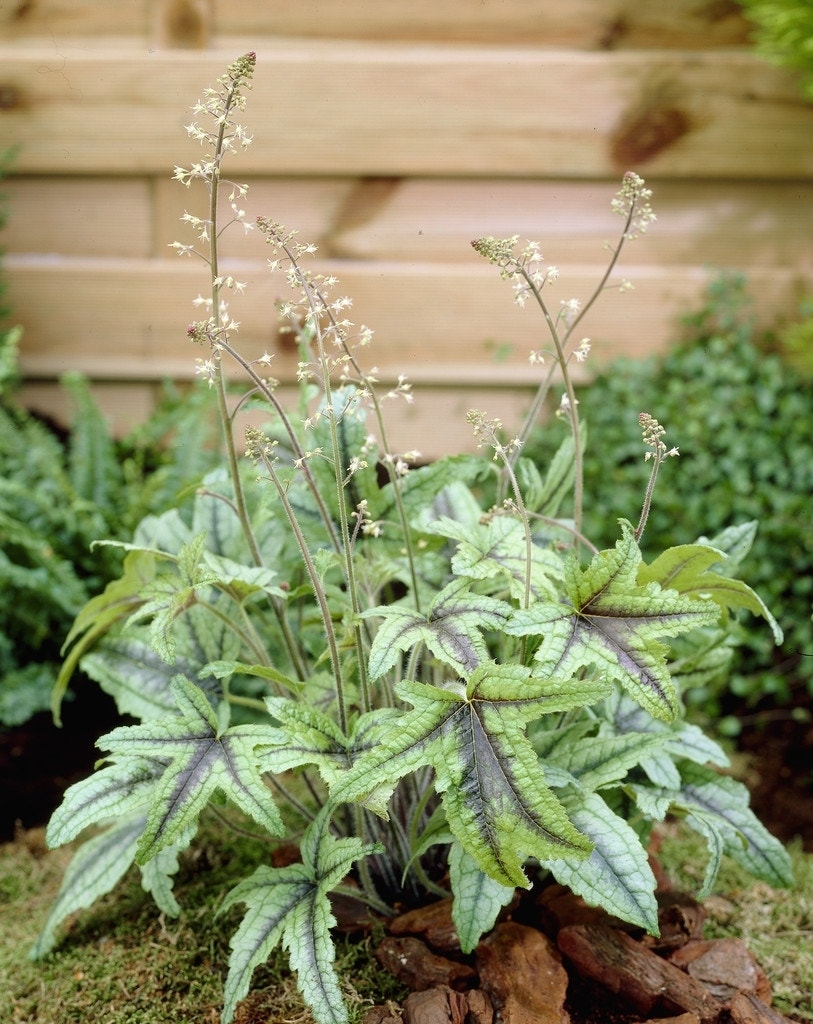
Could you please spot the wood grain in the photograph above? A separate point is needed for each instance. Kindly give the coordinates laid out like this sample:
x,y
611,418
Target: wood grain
x,y
409,110
22,20
79,216
590,24
453,323
745,225
741,224
391,134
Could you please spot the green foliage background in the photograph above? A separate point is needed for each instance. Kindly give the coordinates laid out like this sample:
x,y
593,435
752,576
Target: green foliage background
x,y
783,33
59,494
62,490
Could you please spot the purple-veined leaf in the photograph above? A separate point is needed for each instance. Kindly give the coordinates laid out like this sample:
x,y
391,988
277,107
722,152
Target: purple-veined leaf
x,y
716,806
121,791
600,761
495,795
137,677
722,804
202,760
681,739
478,899
450,629
615,624
97,866
616,875
290,905
116,791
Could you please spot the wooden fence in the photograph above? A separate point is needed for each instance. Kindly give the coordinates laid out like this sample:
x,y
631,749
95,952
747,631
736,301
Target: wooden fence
x,y
390,134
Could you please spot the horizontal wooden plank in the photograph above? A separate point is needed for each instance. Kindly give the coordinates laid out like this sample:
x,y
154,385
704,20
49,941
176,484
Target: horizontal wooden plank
x,y
721,223
66,19
90,216
374,109
439,323
311,206
588,24
744,225
79,216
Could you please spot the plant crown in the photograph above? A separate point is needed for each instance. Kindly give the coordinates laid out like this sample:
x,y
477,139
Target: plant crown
x,y
428,674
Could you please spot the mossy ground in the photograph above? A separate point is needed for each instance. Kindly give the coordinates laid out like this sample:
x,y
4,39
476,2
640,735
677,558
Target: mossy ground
x,y
122,962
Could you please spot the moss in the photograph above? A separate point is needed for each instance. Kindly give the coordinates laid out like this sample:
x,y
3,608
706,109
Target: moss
x,y
124,962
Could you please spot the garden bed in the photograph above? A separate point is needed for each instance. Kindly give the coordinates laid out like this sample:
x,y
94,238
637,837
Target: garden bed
x,y
124,962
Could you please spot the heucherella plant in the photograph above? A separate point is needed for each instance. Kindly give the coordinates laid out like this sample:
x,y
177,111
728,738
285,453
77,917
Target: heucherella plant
x,y
428,673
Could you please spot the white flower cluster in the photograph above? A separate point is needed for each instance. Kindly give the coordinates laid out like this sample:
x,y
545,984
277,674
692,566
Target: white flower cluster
x,y
524,269
653,434
489,433
632,202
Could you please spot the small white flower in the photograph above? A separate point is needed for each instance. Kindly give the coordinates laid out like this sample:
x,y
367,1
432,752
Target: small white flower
x,y
582,351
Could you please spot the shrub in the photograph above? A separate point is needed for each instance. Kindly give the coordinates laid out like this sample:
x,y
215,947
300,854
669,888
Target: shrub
x,y
793,340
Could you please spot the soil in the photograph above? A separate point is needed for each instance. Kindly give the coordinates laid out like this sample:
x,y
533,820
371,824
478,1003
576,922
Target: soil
x,y
777,747
38,761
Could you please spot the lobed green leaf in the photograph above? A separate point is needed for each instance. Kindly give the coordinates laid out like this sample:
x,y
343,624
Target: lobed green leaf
x,y
497,801
495,551
687,569
97,866
722,802
116,791
290,905
598,761
615,624
201,760
450,629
